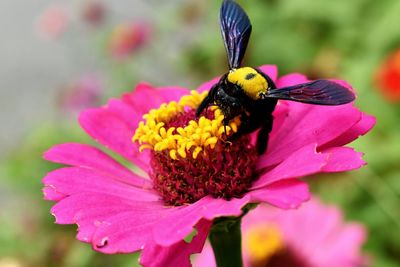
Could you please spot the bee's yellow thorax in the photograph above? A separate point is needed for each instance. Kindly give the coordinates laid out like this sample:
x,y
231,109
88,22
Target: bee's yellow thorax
x,y
250,80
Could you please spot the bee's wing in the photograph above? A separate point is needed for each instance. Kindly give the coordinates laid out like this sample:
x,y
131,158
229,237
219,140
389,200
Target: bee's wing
x,y
235,29
320,92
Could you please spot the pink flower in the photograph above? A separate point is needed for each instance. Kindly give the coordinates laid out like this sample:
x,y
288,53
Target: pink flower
x,y
127,38
314,235
53,21
119,209
84,93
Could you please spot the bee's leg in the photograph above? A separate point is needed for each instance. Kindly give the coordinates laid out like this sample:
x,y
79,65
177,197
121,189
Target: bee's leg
x,y
263,135
226,123
229,106
208,100
247,125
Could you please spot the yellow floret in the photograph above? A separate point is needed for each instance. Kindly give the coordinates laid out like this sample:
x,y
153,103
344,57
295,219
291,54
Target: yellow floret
x,y
262,241
182,141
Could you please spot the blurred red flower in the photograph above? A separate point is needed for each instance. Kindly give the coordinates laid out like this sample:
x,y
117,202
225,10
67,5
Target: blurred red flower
x,y
127,38
93,12
388,77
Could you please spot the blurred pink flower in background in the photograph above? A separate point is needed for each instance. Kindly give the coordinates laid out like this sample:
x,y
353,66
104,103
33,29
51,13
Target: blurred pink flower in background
x,y
154,210
127,38
315,235
84,93
93,12
53,21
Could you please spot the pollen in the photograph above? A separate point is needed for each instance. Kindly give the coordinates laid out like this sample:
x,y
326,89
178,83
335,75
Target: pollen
x,y
169,129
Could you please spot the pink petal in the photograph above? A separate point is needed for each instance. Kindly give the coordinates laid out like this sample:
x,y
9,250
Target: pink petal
x,y
172,93
75,180
66,210
314,230
91,219
291,79
125,232
343,159
270,70
125,111
143,98
280,114
131,118
305,124
362,127
112,224
345,242
207,85
286,194
177,254
51,193
302,162
338,243
146,97
181,220
90,157
206,258
114,133
131,106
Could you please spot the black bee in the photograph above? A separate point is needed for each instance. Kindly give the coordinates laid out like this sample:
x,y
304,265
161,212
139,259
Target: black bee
x,y
251,94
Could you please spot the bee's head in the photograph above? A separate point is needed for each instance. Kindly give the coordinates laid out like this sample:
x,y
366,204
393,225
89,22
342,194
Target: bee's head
x,y
252,82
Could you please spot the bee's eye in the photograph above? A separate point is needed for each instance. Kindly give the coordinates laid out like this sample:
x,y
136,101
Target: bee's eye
x,y
250,76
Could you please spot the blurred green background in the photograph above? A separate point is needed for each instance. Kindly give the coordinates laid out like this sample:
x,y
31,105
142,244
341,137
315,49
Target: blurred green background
x,y
321,38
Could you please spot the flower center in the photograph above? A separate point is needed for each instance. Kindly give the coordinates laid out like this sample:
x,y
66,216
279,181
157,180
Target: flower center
x,y
191,157
265,247
262,241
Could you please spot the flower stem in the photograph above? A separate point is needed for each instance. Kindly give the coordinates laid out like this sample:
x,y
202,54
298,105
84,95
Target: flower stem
x,y
225,238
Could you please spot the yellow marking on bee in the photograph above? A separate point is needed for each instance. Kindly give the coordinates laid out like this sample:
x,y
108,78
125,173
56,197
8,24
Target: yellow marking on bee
x,y
252,82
